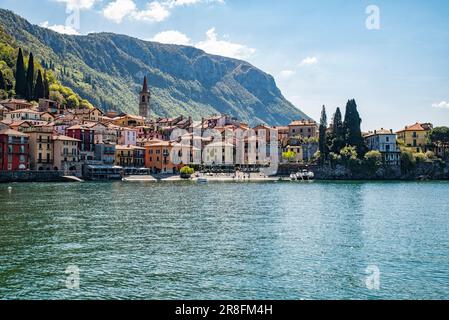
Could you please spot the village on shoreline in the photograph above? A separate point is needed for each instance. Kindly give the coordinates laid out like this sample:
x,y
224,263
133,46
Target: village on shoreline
x,y
43,139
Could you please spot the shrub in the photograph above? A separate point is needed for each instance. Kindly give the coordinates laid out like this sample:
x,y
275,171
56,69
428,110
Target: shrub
x,y
73,102
290,156
187,171
430,155
372,160
408,161
420,157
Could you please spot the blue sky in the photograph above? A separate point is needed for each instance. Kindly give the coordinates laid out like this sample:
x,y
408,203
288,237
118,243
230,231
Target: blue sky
x,y
319,51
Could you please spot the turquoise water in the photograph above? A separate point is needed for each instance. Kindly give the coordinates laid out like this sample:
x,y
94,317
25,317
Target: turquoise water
x,y
225,240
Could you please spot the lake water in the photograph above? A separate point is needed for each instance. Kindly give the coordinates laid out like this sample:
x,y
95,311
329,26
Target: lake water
x,y
225,240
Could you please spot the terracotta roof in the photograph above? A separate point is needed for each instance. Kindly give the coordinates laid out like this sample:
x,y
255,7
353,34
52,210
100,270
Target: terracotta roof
x,y
25,110
159,144
20,101
128,147
415,127
303,123
78,127
382,131
65,138
11,132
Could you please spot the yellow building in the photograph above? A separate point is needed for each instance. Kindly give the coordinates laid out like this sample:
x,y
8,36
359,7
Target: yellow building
x,y
66,155
303,128
129,156
93,115
128,120
415,136
298,150
41,147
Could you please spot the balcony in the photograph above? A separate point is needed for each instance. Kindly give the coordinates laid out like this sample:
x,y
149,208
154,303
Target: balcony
x,y
38,130
46,161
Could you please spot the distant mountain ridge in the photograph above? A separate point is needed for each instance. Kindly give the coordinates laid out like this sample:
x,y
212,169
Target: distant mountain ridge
x,y
108,69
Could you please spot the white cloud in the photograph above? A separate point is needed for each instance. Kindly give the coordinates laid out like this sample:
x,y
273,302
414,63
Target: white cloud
x,y
441,105
60,28
78,4
171,37
119,9
216,46
155,12
178,3
287,73
212,44
308,61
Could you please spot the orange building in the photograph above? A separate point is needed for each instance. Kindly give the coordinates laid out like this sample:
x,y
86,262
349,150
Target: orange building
x,y
167,157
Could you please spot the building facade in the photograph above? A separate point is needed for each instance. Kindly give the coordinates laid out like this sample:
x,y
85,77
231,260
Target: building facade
x,y
14,150
303,128
66,155
41,147
385,142
415,136
145,98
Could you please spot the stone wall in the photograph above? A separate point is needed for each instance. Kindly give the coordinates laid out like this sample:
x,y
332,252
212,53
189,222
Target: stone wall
x,y
31,176
426,170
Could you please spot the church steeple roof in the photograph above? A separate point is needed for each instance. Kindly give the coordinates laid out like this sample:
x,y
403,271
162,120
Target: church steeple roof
x,y
145,85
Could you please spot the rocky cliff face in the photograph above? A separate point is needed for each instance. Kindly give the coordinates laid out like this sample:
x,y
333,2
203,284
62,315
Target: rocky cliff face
x,y
108,70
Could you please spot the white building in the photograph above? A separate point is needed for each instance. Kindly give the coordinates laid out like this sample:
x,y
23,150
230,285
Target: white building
x,y
25,115
384,141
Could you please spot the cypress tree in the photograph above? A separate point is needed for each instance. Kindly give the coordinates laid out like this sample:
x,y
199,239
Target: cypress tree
x,y
20,76
338,132
323,136
30,78
2,82
46,86
353,132
39,89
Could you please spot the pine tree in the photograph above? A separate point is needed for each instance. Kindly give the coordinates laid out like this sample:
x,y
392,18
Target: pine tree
x,y
324,151
20,76
2,82
30,78
46,86
39,89
353,132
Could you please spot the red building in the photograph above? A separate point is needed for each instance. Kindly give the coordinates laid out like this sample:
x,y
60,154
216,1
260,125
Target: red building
x,y
87,140
14,150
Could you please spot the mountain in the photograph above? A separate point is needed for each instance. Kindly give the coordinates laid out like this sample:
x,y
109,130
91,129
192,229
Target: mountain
x,y
107,69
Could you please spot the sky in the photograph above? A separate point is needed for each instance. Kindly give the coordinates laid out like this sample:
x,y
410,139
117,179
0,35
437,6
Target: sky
x,y
392,56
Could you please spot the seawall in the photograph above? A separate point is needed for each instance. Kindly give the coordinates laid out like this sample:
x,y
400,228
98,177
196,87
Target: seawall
x,y
31,176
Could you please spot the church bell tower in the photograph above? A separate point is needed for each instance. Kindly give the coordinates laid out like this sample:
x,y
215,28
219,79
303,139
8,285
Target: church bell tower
x,y
144,104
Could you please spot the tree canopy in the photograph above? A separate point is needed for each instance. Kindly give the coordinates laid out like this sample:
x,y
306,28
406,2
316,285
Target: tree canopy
x,y
353,132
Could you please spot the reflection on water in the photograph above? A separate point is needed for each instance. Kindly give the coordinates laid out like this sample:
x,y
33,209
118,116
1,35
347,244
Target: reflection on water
x,y
224,241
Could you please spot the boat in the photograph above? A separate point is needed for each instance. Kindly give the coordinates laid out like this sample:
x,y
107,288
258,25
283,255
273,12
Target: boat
x,y
304,175
202,180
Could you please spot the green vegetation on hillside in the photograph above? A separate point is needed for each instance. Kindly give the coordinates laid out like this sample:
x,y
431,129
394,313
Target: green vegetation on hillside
x,y
108,69
25,78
